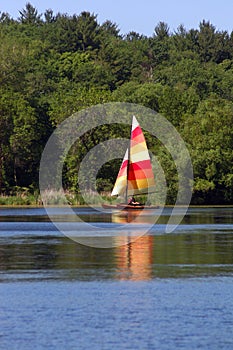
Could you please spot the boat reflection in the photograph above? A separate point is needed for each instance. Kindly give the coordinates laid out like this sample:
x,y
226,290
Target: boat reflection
x,y
133,254
136,216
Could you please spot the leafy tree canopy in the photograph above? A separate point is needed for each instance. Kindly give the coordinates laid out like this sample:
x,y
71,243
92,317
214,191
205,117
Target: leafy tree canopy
x,y
52,65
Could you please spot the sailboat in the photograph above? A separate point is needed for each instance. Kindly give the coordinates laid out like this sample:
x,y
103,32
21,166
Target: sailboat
x,y
135,176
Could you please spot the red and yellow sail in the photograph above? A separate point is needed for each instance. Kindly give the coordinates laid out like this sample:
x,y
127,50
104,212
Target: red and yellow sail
x,y
135,175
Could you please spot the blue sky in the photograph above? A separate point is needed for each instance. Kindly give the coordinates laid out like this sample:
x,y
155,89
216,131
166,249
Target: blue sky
x,y
139,16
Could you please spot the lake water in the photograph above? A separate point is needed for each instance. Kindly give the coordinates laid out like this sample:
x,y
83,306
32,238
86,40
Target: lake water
x,y
162,291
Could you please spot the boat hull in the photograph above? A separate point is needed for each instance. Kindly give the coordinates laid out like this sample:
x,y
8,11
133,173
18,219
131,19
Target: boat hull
x,y
123,206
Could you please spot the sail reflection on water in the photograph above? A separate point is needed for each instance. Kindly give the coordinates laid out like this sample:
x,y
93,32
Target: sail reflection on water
x,y
133,254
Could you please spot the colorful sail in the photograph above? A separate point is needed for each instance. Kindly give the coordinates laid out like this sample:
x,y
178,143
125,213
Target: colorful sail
x,y
121,181
135,175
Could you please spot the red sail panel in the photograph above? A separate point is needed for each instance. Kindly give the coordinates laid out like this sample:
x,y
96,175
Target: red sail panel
x,y
136,131
123,168
140,174
144,164
139,138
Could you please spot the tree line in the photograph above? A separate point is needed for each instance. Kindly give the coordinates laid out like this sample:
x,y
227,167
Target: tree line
x,y
52,65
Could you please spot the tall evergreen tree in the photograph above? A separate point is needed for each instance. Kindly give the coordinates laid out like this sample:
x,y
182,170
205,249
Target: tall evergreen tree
x,y
29,15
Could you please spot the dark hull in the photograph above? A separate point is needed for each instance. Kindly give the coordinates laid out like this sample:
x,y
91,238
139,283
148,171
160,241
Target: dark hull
x,y
129,207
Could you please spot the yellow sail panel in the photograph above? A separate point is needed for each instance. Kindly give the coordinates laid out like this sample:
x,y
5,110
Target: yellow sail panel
x,y
138,148
137,157
120,185
121,181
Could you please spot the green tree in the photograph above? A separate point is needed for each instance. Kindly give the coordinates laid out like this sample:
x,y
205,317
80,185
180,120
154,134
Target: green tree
x,y
6,127
210,139
108,28
30,15
72,33
213,46
162,31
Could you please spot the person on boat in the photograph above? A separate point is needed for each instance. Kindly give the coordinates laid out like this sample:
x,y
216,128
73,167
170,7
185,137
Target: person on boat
x,y
133,201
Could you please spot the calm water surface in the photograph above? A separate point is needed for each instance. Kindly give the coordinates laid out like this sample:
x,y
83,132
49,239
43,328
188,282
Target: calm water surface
x,y
162,291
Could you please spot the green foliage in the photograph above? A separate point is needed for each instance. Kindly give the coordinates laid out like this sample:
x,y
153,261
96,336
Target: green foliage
x,y
29,15
210,138
52,65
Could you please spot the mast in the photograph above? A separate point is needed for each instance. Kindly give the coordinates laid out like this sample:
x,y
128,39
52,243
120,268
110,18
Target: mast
x,y
128,164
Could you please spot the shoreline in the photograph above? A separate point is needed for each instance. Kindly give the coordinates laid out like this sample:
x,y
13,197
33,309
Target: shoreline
x,y
87,206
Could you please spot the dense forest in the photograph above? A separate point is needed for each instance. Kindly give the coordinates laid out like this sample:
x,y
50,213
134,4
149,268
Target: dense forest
x,y
52,65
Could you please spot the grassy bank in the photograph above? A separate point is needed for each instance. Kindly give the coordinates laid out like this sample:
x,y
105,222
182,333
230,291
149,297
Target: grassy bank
x,y
59,198
51,198
73,200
